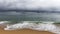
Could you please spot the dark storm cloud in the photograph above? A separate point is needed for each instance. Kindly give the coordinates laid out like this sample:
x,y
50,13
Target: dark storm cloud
x,y
30,4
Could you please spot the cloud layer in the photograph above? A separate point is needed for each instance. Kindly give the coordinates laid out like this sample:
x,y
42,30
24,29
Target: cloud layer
x,y
30,4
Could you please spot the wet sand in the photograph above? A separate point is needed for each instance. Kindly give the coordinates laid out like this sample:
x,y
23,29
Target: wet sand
x,y
23,31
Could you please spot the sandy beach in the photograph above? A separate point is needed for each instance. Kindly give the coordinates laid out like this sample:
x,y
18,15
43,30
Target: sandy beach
x,y
23,31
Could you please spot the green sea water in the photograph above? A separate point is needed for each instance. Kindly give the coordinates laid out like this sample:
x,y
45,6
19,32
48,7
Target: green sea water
x,y
16,17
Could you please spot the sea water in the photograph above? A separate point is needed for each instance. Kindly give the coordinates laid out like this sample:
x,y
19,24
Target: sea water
x,y
29,16
31,20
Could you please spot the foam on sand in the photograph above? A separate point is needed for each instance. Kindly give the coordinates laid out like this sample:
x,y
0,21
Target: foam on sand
x,y
40,27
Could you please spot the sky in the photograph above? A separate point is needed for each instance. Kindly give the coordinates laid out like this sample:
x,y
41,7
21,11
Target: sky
x,y
30,4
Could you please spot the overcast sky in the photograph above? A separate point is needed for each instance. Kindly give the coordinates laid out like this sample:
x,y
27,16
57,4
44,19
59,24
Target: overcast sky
x,y
30,4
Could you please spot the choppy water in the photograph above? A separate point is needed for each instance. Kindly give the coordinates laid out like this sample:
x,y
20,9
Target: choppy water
x,y
33,16
29,16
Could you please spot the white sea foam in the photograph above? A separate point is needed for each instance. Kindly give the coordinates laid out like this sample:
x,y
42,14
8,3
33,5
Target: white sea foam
x,y
3,22
40,27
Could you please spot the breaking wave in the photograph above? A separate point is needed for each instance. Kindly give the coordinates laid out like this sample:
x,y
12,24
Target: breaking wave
x,y
35,25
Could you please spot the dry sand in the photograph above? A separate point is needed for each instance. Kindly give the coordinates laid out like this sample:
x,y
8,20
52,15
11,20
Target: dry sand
x,y
23,31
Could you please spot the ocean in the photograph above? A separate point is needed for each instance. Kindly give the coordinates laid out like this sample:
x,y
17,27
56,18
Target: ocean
x,y
15,16
33,20
29,16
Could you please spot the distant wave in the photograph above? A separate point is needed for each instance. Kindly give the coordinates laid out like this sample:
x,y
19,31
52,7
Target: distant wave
x,y
12,22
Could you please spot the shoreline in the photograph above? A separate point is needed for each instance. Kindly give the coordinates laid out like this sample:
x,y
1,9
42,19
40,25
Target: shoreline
x,y
33,26
23,31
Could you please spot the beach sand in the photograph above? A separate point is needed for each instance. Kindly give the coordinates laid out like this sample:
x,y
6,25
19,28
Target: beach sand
x,y
23,31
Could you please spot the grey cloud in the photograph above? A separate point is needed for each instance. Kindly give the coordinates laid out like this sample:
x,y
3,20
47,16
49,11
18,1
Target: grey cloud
x,y
30,4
